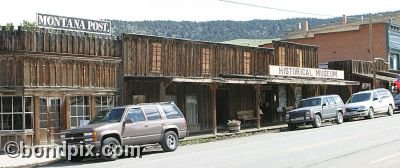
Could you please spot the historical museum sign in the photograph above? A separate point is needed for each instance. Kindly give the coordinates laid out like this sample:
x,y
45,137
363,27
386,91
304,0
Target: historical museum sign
x,y
71,23
305,72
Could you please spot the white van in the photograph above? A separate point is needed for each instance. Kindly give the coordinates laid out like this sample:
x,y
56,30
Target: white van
x,y
368,103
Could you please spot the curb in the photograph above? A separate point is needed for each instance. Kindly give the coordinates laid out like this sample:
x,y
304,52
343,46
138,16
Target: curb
x,y
224,136
33,164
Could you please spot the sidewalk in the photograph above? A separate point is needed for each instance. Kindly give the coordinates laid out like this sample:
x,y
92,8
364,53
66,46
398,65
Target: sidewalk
x,y
24,161
8,162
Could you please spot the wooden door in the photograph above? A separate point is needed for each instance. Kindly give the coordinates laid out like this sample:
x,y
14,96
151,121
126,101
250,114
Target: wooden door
x,y
49,119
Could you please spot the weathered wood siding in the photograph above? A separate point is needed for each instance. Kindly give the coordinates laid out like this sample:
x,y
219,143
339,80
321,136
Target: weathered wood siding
x,y
58,59
60,42
310,54
183,58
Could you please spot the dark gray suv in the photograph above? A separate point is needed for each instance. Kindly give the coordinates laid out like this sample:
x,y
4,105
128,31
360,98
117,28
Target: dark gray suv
x,y
315,110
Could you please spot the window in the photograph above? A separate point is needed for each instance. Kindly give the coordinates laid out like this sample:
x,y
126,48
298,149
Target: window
x,y
282,56
331,101
192,115
152,113
338,100
156,62
80,111
172,111
52,107
16,113
205,61
246,62
136,115
104,102
299,57
325,101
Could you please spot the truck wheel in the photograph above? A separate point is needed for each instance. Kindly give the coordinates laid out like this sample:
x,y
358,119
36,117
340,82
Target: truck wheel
x,y
111,148
390,110
339,118
371,114
317,121
169,142
292,127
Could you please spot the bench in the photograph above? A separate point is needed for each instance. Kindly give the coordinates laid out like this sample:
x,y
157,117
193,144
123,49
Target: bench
x,y
246,115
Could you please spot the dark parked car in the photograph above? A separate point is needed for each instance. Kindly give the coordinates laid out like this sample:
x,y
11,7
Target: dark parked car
x,y
315,110
397,102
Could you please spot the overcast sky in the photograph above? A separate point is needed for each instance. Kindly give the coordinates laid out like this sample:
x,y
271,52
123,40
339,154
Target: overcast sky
x,y
190,10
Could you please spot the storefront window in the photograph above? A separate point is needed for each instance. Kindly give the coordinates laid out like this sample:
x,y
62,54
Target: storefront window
x,y
16,113
80,111
298,93
282,96
104,102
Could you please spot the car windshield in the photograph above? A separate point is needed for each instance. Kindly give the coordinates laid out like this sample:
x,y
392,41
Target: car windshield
x,y
397,97
111,115
309,102
359,97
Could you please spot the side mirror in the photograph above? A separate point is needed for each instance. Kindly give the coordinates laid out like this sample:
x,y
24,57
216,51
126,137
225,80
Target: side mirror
x,y
128,121
323,104
375,98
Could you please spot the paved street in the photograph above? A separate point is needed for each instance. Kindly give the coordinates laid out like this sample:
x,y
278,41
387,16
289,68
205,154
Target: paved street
x,y
362,143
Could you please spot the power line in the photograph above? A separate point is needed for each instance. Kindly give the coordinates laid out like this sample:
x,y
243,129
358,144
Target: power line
x,y
277,9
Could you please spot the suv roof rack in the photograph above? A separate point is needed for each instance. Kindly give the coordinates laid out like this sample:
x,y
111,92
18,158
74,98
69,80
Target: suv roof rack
x,y
169,102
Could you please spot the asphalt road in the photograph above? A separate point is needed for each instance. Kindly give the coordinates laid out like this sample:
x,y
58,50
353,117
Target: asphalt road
x,y
362,143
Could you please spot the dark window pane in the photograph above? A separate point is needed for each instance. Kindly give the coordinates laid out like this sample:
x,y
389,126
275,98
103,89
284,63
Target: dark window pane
x,y
17,102
98,101
28,104
18,122
79,100
43,124
172,111
98,109
86,100
110,101
136,115
29,121
152,113
73,111
80,111
74,122
1,122
43,116
55,116
73,100
7,122
55,123
7,104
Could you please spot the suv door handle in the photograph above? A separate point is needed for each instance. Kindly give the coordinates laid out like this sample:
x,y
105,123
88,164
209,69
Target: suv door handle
x,y
146,125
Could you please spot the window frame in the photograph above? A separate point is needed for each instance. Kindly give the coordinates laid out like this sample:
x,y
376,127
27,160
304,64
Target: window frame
x,y
282,56
156,57
23,112
86,110
246,62
205,61
300,57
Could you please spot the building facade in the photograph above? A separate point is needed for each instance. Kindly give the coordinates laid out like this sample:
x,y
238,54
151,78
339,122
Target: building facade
x,y
52,81
351,42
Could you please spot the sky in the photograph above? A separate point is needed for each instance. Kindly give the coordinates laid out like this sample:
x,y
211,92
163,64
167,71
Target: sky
x,y
188,10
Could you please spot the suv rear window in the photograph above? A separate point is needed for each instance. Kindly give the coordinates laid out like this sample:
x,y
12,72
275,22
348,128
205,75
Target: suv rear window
x,y
152,113
171,111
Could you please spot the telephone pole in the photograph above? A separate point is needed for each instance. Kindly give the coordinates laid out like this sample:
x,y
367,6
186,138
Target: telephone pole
x,y
371,52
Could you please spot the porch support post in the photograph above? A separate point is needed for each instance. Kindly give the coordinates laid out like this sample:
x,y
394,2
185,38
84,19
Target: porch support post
x,y
163,88
68,112
36,116
257,105
213,93
93,107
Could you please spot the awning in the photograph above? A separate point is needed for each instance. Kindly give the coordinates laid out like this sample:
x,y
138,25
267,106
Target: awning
x,y
249,79
379,77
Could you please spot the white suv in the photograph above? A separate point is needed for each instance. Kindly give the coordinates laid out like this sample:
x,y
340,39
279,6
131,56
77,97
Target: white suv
x,y
368,103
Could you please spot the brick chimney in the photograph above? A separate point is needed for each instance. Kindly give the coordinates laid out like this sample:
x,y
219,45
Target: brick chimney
x,y
344,19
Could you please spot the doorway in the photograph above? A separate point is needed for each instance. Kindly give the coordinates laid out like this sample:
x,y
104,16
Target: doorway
x,y
222,106
50,109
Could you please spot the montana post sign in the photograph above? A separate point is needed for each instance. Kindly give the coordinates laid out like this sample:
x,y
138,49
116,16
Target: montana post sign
x,y
71,23
305,72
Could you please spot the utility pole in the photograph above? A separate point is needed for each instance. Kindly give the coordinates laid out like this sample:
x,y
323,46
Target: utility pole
x,y
371,52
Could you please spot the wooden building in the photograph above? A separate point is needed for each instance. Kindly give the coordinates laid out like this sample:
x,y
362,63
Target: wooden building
x,y
52,81
214,82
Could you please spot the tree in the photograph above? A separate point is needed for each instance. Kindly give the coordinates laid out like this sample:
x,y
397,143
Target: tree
x,y
29,26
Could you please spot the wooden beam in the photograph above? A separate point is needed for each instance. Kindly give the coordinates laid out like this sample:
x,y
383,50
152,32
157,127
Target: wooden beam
x,y
93,107
213,93
36,125
257,105
68,112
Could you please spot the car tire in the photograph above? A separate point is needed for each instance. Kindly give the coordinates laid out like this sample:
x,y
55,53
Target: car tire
x,y
170,141
371,113
292,127
111,149
390,110
339,118
317,121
